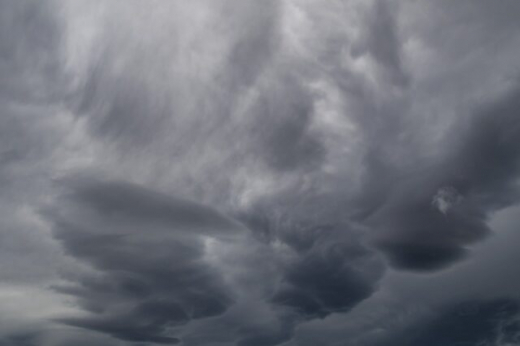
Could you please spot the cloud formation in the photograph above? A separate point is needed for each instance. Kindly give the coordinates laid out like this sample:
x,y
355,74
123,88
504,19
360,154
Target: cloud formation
x,y
225,172
149,253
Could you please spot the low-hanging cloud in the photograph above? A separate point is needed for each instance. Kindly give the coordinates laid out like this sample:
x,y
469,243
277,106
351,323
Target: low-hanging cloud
x,y
150,260
225,172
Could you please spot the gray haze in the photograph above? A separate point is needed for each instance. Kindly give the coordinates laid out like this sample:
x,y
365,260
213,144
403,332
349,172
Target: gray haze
x,y
259,173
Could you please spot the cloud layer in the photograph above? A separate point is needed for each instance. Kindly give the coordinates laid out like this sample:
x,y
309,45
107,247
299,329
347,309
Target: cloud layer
x,y
224,172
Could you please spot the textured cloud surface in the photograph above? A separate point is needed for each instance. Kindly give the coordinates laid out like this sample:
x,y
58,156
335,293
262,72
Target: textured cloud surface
x,y
255,173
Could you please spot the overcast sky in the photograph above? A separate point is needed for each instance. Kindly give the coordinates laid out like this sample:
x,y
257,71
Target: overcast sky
x,y
259,172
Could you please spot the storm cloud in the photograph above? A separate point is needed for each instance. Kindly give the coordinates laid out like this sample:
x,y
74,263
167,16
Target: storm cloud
x,y
228,172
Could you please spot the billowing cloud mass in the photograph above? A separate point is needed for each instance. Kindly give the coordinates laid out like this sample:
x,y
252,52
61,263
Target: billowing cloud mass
x,y
259,173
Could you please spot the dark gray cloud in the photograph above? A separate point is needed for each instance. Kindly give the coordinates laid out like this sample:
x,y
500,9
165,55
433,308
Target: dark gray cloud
x,y
326,276
382,42
283,124
221,172
150,255
142,205
152,276
18,340
480,170
493,322
28,45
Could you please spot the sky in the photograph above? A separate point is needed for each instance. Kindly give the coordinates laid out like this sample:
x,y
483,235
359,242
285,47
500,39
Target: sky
x,y
259,172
